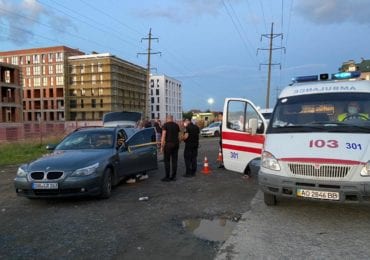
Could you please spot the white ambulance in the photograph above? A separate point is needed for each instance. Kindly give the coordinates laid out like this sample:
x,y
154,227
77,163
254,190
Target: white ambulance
x,y
316,145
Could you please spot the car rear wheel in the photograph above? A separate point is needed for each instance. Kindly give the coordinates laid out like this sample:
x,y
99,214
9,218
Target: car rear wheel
x,y
217,134
106,186
269,199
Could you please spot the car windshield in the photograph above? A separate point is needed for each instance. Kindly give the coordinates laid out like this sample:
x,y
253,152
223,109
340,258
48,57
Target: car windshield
x,y
336,112
215,124
87,140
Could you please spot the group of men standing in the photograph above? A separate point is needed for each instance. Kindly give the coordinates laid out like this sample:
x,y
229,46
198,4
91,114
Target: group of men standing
x,y
170,143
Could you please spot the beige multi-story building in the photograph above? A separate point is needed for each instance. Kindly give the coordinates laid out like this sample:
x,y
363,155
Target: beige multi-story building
x,y
44,80
101,83
10,94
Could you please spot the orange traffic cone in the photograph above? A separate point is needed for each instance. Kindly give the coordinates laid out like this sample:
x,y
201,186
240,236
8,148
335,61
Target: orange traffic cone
x,y
206,169
219,157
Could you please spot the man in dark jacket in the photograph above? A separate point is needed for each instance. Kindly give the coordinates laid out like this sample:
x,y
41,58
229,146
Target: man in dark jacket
x,y
170,147
191,139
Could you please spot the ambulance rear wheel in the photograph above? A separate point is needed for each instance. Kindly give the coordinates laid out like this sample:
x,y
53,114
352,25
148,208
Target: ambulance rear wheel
x,y
269,199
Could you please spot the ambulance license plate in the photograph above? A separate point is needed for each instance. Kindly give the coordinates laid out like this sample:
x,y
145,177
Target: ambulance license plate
x,y
316,194
44,186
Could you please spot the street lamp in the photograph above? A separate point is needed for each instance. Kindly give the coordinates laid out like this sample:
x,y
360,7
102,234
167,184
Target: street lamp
x,y
210,102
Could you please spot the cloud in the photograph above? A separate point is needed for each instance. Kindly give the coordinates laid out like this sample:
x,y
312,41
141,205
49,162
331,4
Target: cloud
x,y
19,19
334,11
184,10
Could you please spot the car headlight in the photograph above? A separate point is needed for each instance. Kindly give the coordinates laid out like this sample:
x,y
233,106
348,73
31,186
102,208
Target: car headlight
x,y
21,172
86,171
269,161
366,169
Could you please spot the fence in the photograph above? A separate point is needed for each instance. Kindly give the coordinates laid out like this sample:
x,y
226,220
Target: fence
x,y
39,131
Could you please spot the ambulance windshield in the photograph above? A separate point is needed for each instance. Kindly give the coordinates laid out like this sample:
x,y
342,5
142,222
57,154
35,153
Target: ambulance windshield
x,y
335,112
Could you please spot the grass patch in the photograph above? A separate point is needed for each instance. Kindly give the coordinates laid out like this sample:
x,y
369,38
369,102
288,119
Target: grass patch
x,y
18,153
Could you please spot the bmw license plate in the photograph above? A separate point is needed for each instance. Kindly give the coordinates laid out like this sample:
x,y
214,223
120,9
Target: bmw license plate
x,y
44,185
316,194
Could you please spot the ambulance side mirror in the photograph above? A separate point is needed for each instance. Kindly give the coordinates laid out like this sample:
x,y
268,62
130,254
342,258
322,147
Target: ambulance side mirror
x,y
253,125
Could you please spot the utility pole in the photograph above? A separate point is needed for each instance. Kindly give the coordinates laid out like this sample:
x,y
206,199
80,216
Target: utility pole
x,y
270,36
148,53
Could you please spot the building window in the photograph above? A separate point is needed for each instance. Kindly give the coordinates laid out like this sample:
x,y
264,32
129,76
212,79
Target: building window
x,y
43,70
51,69
93,103
51,81
44,81
29,82
82,80
74,80
157,92
157,107
73,68
92,67
36,58
72,103
15,60
59,68
100,67
83,92
158,100
82,103
92,92
59,56
93,79
36,70
28,71
100,92
43,56
101,103
60,80
101,79
21,60
152,83
83,68
50,57
152,100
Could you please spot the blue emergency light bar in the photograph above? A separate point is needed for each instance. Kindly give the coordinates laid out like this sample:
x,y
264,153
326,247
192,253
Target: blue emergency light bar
x,y
346,75
335,76
306,78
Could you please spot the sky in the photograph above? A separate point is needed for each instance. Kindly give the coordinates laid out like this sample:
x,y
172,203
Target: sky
x,y
216,48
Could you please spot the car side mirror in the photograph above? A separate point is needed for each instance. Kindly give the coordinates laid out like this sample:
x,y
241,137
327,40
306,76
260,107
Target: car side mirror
x,y
253,125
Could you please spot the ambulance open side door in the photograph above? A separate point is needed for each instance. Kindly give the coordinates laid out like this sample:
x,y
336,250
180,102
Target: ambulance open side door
x,y
243,134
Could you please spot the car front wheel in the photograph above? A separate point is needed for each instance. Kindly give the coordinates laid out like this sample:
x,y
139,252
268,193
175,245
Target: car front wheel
x,y
106,186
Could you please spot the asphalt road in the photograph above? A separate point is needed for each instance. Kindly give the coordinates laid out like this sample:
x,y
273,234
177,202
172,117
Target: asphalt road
x,y
296,229
178,221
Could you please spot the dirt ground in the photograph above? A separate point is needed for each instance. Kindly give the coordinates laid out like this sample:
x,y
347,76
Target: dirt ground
x,y
123,227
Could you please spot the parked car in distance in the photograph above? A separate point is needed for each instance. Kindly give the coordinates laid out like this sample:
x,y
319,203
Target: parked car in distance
x,y
212,130
89,161
266,112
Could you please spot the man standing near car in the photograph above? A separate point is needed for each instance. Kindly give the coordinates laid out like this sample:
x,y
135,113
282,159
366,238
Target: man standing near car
x,y
191,139
170,147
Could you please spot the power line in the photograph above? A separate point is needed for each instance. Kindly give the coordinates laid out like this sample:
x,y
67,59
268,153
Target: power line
x,y
238,31
111,17
263,15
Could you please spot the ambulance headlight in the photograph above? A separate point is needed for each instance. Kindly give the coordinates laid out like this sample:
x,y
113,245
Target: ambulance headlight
x,y
366,169
269,161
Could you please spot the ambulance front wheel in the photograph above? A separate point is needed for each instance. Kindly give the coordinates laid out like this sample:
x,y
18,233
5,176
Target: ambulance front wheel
x,y
269,199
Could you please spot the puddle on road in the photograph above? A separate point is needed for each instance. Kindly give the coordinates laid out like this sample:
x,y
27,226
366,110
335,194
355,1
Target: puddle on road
x,y
218,229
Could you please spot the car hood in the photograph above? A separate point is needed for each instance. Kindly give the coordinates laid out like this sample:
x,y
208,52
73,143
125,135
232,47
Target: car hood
x,y
68,160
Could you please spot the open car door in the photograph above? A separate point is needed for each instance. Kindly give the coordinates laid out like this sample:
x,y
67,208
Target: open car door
x,y
243,134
